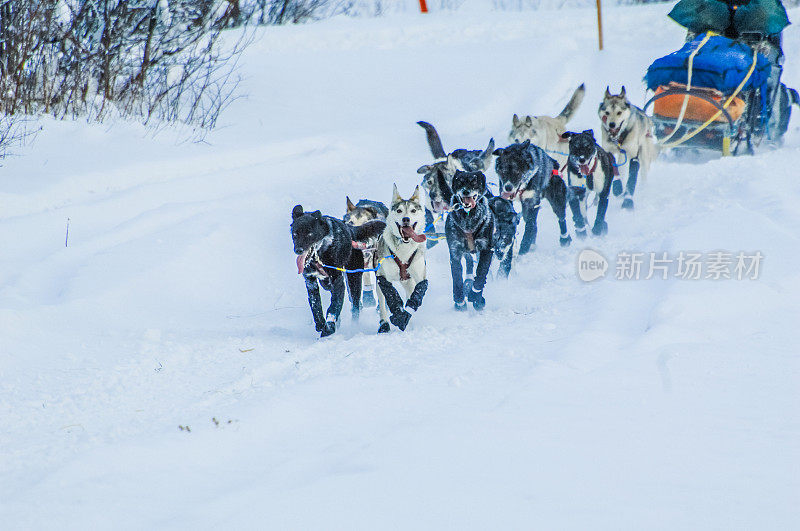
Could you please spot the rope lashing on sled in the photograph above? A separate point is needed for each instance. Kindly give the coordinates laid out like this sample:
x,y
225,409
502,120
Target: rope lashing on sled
x,y
685,103
725,105
689,135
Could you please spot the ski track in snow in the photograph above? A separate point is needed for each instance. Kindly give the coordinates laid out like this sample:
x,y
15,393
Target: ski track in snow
x,y
640,404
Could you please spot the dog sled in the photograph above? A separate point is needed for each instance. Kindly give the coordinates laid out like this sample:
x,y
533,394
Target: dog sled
x,y
721,94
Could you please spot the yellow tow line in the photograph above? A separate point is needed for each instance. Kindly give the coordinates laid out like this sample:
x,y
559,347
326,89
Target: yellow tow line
x,y
726,141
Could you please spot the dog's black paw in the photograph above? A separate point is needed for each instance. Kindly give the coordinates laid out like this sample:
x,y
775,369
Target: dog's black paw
x,y
565,240
616,187
460,306
627,203
526,250
368,299
383,328
581,234
400,320
476,298
600,229
330,328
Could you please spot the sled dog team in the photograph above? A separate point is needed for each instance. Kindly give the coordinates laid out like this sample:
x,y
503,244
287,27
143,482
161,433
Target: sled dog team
x,y
544,160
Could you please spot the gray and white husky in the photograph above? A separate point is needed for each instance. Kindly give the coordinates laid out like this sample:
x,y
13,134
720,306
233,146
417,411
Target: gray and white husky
x,y
628,134
546,131
401,254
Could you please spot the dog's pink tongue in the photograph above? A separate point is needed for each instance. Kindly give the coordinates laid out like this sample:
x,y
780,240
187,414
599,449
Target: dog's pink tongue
x,y
408,232
507,195
301,262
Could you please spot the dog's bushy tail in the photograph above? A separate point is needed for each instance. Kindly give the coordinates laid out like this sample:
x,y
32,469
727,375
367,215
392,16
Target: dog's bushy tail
x,y
434,141
370,229
574,103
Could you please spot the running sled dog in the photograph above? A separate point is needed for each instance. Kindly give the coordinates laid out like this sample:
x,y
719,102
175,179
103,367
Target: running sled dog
x,y
589,169
627,133
324,247
470,228
400,257
546,131
529,174
356,215
446,165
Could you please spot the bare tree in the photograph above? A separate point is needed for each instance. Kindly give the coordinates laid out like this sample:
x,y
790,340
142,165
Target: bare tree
x,y
153,60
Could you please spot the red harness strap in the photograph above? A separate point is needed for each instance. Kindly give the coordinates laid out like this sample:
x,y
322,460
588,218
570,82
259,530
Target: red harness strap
x,y
404,267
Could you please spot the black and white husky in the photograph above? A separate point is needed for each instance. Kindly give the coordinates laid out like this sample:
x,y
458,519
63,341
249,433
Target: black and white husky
x,y
469,229
324,246
528,174
446,165
356,215
401,254
589,169
626,128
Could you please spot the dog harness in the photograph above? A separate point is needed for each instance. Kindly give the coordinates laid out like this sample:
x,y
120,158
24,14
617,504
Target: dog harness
x,y
470,241
403,267
362,246
584,168
314,261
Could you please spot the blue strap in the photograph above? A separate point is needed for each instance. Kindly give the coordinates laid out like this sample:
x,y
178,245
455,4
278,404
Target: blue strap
x,y
343,270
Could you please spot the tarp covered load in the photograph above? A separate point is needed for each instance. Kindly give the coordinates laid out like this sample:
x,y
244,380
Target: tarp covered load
x,y
761,16
720,64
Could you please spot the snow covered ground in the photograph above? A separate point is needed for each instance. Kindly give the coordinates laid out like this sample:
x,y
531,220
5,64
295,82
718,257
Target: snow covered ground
x,y
646,404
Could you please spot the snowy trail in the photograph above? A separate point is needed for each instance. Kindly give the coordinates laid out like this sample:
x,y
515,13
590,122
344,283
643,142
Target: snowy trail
x,y
641,404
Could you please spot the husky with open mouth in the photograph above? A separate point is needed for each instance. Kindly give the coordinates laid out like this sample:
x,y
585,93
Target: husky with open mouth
x,y
628,134
446,165
324,246
401,258
529,174
469,229
589,169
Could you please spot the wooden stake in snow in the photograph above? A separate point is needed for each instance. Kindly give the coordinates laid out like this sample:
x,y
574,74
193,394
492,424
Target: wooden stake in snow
x,y
66,239
599,24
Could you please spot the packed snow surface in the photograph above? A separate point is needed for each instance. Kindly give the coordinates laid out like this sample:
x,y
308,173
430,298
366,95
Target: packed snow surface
x,y
175,301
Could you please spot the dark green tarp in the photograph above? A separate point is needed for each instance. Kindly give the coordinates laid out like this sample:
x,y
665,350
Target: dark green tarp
x,y
762,16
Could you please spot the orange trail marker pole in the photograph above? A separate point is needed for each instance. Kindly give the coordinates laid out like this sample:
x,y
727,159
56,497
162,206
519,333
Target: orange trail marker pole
x,y
599,24
423,6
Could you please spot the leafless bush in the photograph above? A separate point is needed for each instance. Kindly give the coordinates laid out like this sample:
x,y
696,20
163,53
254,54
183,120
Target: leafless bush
x,y
153,60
